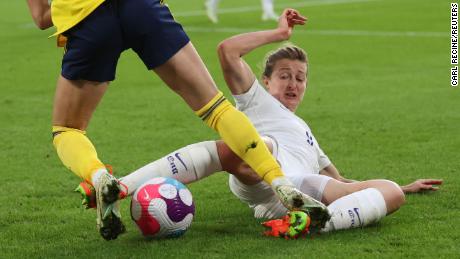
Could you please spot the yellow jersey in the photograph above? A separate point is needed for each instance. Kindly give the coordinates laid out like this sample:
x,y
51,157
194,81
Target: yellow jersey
x,y
67,13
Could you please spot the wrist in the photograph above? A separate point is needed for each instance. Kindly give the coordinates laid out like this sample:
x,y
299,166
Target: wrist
x,y
282,34
405,188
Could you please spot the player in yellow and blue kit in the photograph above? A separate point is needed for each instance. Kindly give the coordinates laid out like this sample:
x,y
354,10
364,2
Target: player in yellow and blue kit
x,y
97,32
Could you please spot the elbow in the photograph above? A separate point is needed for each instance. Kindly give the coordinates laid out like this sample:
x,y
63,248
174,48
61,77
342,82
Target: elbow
x,y
42,22
222,48
42,26
226,52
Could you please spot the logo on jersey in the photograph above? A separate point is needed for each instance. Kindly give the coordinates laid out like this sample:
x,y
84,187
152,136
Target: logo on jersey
x,y
309,138
253,145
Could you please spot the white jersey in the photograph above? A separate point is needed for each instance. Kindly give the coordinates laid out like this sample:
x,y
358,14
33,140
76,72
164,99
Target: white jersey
x,y
296,148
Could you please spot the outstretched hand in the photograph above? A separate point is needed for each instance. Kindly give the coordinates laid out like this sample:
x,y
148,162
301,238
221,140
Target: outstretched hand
x,y
288,19
422,185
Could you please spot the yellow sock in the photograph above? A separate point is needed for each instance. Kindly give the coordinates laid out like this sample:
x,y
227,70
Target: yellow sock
x,y
76,152
239,134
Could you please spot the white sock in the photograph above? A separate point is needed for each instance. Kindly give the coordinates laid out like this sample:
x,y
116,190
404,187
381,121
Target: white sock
x,y
355,210
187,165
95,177
279,181
267,7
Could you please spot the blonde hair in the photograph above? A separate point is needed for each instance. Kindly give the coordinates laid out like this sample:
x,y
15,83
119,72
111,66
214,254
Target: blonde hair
x,y
287,51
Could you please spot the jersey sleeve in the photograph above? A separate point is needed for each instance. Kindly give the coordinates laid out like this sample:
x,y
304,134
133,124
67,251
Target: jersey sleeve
x,y
255,96
323,160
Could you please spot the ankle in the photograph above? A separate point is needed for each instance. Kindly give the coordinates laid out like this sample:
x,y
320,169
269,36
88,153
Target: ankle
x,y
97,175
281,181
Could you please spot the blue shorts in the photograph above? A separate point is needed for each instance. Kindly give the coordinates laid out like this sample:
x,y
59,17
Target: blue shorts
x,y
95,44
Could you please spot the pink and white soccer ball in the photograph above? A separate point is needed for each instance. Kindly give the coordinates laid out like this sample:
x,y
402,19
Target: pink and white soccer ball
x,y
162,207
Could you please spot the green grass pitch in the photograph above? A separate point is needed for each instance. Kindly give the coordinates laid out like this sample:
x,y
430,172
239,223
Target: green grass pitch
x,y
379,101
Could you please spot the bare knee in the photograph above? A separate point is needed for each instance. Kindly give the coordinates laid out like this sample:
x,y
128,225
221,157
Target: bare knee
x,y
393,195
391,192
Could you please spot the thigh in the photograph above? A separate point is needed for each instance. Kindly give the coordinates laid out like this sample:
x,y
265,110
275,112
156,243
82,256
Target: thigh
x,y
75,102
313,185
186,74
335,189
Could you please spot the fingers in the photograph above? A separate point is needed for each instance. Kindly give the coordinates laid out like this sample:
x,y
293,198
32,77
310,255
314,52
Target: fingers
x,y
429,187
293,17
430,184
431,181
423,185
294,14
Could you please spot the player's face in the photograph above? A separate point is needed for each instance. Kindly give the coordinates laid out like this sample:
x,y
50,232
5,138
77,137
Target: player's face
x,y
288,82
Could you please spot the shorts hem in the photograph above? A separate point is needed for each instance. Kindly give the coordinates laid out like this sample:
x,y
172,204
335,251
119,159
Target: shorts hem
x,y
165,59
75,78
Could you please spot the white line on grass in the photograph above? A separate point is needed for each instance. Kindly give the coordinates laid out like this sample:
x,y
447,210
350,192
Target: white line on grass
x,y
325,32
246,9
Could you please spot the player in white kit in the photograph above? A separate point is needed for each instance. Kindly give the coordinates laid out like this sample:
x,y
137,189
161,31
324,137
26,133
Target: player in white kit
x,y
270,105
268,10
292,144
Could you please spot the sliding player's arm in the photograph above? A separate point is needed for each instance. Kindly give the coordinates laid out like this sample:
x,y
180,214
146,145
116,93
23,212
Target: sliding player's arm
x,y
332,172
420,185
237,73
41,13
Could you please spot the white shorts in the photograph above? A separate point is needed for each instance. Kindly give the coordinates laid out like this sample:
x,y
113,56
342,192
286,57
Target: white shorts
x,y
263,200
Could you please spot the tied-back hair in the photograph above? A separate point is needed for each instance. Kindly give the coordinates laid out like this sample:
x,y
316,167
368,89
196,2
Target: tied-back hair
x,y
286,51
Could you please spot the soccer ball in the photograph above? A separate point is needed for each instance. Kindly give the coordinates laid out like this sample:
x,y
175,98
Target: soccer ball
x,y
162,207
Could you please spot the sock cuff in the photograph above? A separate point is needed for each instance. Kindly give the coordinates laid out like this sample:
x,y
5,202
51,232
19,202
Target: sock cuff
x,y
282,180
59,129
96,175
215,110
207,109
271,173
